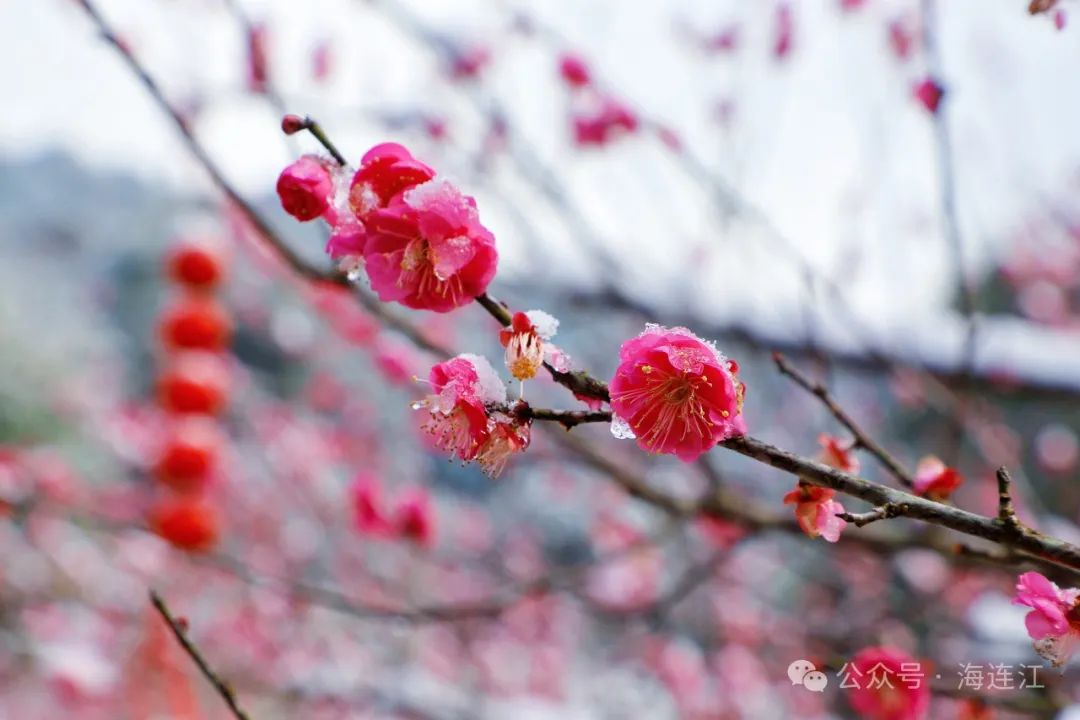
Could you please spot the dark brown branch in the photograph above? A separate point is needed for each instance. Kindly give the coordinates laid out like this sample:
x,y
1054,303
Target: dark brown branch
x,y
580,383
178,630
319,134
911,506
577,382
1006,513
862,440
567,418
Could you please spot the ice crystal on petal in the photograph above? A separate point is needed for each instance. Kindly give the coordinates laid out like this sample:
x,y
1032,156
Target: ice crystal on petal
x,y
490,388
451,256
554,356
545,324
353,267
342,178
621,429
440,194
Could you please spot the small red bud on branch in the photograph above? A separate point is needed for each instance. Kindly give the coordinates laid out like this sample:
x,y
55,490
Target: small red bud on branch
x,y
292,124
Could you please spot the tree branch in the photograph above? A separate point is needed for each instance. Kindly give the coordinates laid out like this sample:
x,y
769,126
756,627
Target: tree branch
x,y
223,689
943,154
1006,513
567,418
969,523
862,439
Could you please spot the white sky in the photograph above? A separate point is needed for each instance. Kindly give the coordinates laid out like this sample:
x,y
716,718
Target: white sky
x,y
829,144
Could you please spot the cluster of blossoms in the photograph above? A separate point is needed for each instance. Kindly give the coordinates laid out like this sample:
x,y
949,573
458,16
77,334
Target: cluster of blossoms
x,y
816,510
192,390
675,393
597,117
469,418
418,238
412,518
1054,620
422,245
1043,269
27,474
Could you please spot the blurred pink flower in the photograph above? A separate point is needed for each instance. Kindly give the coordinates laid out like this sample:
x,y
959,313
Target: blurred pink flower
x,y
837,455
934,479
901,38
368,513
929,93
467,64
258,38
574,70
784,37
414,519
890,686
321,61
599,127
395,360
725,40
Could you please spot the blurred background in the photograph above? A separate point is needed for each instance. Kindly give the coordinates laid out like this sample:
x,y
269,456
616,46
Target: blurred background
x,y
884,190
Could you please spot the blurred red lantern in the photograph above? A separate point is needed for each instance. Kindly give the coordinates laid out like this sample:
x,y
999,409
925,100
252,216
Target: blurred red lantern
x,y
196,323
194,382
188,456
187,523
196,265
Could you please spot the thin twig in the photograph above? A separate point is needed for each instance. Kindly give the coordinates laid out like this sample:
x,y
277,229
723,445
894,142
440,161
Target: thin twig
x,y
319,134
283,251
223,688
951,226
884,512
862,439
